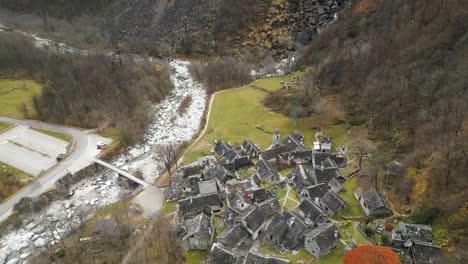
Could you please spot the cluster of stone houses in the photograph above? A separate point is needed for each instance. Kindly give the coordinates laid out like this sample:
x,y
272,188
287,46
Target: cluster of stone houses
x,y
419,241
252,214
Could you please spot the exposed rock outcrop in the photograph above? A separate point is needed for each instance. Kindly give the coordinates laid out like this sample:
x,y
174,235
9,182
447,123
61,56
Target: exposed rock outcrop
x,y
200,26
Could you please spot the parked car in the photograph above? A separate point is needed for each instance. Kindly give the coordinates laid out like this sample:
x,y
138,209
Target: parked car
x,y
60,157
101,145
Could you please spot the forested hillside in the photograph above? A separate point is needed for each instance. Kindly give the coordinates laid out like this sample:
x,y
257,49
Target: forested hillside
x,y
401,68
86,91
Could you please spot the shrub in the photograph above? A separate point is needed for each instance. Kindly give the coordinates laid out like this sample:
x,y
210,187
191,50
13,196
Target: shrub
x,y
424,214
184,105
138,173
369,231
384,239
458,220
388,227
18,222
221,73
60,253
347,223
371,254
294,105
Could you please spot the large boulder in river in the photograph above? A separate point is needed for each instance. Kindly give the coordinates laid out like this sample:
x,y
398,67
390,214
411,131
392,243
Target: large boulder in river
x,y
31,205
63,185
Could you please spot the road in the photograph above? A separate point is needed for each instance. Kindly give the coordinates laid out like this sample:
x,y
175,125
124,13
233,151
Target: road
x,y
84,154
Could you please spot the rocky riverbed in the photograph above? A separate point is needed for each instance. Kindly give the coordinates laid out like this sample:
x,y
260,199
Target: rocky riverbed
x,y
56,221
168,126
43,229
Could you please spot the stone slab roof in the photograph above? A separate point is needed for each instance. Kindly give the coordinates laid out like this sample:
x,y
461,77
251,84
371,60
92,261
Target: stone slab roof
x,y
310,210
426,253
372,200
233,235
199,202
334,202
326,235
316,191
287,230
206,187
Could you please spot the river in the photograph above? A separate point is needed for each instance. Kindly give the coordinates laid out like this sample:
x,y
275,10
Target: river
x,y
167,127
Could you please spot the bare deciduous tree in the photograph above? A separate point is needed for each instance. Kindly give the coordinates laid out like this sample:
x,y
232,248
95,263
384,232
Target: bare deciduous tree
x,y
362,147
166,154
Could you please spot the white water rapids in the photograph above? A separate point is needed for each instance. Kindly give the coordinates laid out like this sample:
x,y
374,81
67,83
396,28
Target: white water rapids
x,y
168,126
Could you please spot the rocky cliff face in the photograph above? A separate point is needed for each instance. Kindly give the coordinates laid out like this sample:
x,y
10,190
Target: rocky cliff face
x,y
167,27
291,23
163,26
216,26
308,16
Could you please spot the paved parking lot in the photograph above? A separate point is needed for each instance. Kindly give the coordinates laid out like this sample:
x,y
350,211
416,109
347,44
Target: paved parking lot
x,y
29,150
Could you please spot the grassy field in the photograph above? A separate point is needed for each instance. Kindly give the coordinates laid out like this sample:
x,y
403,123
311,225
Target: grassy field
x,y
348,196
349,230
116,137
11,180
195,256
300,257
274,83
290,205
219,226
335,257
16,93
4,126
61,136
239,113
245,173
169,207
271,84
280,192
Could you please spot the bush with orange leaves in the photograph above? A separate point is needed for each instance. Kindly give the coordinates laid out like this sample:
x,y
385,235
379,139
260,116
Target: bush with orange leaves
x,y
371,254
365,6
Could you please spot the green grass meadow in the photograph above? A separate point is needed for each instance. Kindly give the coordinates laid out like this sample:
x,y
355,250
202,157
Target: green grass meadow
x,y
16,93
5,126
239,114
62,136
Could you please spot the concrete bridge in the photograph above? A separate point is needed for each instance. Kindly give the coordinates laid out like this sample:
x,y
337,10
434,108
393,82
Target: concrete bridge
x,y
121,172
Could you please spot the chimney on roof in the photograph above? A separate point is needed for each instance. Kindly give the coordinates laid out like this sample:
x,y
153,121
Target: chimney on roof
x,y
276,138
316,200
336,234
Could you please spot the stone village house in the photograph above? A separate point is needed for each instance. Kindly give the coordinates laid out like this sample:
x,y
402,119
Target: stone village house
x,y
322,239
372,202
197,233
